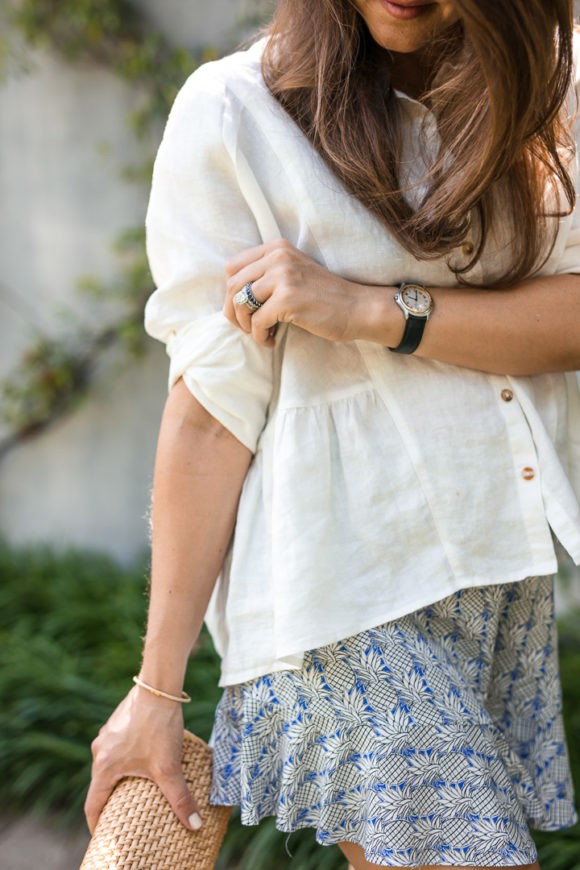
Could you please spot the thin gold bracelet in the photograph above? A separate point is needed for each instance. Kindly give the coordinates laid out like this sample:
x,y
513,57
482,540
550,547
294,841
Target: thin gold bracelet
x,y
184,699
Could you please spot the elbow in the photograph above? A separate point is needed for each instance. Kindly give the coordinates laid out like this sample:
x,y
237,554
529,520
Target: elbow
x,y
567,357
186,412
558,363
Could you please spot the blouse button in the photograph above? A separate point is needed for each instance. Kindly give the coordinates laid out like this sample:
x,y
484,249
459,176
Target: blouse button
x,y
467,249
507,395
528,473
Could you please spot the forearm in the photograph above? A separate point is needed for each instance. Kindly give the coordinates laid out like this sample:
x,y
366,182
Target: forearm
x,y
531,328
199,472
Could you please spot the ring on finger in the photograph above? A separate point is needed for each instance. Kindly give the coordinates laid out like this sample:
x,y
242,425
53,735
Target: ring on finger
x,y
247,298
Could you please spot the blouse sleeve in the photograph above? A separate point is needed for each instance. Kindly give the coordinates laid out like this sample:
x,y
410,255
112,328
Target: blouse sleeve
x,y
570,259
197,217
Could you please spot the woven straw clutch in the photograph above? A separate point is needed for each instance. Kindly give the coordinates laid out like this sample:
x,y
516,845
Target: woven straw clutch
x,y
137,829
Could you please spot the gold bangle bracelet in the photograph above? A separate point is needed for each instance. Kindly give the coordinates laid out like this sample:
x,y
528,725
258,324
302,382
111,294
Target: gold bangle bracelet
x,y
184,699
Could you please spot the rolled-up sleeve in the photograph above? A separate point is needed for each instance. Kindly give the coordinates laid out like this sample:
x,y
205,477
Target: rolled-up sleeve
x,y
197,217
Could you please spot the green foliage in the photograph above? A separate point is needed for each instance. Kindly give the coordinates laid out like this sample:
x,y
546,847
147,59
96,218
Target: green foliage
x,y
129,291
50,375
70,641
112,33
69,636
561,850
55,373
71,624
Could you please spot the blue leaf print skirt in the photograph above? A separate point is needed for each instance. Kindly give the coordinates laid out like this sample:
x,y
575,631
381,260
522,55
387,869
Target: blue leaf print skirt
x,y
436,738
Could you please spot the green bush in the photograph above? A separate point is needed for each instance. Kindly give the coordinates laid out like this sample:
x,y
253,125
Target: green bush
x,y
561,850
71,624
69,638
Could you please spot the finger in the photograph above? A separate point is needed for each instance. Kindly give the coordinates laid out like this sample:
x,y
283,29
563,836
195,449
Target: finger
x,y
249,274
243,258
183,804
261,291
97,796
232,310
264,323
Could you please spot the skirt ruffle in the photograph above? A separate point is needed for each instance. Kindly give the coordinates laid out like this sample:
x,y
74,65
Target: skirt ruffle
x,y
433,739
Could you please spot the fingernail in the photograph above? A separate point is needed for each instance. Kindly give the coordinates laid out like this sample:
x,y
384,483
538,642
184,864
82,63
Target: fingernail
x,y
195,821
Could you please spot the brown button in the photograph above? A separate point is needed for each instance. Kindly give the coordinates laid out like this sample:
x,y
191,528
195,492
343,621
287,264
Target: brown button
x,y
507,395
467,249
528,473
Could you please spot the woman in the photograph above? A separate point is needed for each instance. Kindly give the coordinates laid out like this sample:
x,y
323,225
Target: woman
x,y
395,459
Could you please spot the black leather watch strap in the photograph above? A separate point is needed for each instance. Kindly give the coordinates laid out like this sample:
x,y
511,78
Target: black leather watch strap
x,y
412,335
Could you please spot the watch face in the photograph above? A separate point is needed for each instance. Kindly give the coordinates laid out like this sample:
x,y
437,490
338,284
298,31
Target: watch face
x,y
416,298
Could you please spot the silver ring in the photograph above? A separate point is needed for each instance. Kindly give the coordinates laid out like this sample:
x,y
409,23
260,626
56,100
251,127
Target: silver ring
x,y
247,298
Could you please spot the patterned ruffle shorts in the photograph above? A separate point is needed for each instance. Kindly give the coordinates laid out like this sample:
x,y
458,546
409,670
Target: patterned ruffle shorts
x,y
436,738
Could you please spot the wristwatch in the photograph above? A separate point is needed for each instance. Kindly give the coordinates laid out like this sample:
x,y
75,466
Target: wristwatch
x,y
416,303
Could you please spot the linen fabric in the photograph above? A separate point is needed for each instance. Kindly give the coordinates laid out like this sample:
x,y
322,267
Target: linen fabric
x,y
380,483
436,738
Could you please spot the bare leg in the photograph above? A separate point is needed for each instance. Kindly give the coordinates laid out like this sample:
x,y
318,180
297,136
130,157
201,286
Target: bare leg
x,y
356,856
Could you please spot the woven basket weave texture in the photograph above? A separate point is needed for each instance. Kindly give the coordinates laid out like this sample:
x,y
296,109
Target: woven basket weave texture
x,y
137,829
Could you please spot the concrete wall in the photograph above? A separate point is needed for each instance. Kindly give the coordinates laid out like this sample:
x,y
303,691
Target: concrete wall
x,y
87,480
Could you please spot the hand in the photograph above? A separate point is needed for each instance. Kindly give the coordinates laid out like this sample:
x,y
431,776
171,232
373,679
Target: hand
x,y
142,737
294,289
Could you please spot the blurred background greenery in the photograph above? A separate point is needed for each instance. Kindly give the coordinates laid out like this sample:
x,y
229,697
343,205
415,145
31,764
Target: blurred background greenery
x,y
71,623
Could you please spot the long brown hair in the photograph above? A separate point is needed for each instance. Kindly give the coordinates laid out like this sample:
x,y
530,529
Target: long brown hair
x,y
502,73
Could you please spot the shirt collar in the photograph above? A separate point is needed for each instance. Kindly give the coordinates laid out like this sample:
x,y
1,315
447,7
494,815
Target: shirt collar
x,y
403,96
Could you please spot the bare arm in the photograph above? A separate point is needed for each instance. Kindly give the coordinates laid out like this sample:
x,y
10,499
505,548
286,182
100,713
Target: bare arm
x,y
531,328
199,472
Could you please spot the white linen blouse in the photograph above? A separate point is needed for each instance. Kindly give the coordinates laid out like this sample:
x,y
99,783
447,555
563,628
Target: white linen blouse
x,y
380,482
